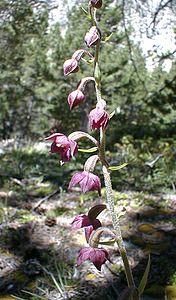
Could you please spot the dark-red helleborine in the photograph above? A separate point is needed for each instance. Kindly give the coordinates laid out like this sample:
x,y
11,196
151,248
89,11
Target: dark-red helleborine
x,y
92,37
81,221
87,181
70,66
62,144
75,97
98,117
98,256
96,3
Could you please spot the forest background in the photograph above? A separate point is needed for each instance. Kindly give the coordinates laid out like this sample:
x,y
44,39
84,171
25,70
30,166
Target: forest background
x,y
33,96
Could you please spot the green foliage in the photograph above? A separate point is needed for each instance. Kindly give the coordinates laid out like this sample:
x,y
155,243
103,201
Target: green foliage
x,y
152,164
34,91
33,167
23,56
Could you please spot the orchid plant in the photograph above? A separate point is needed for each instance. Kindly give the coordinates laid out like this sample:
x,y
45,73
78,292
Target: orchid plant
x,y
87,180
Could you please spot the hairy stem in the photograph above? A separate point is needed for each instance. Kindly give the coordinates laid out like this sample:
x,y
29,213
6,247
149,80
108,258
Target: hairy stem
x,y
116,226
107,178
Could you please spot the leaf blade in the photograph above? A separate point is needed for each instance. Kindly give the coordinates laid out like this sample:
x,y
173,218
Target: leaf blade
x,y
90,150
143,282
115,168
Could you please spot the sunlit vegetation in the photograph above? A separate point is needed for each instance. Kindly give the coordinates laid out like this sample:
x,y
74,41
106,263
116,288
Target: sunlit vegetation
x,y
36,256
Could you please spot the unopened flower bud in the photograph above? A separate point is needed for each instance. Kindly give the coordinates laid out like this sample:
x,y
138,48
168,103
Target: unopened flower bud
x,y
75,97
70,66
96,3
92,37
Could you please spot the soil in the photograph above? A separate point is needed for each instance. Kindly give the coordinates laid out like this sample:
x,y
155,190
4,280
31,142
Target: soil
x,y
38,249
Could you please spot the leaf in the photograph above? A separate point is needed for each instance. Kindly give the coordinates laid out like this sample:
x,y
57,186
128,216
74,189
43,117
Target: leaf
x,y
86,13
84,10
108,37
96,210
114,112
143,282
90,150
115,168
106,243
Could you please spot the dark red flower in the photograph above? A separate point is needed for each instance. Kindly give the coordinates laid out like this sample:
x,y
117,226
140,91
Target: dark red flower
x,y
75,97
81,221
62,144
70,66
98,256
92,37
96,3
87,181
98,117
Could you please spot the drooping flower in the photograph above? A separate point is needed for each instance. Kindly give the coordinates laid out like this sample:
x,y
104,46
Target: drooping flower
x,y
98,256
96,3
75,97
70,66
87,181
81,221
98,117
92,37
64,145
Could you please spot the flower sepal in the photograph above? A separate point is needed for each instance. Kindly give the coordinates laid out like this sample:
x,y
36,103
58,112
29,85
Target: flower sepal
x,y
77,135
96,210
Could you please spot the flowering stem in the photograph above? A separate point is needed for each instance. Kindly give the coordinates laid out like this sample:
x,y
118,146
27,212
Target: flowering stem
x,y
116,226
107,178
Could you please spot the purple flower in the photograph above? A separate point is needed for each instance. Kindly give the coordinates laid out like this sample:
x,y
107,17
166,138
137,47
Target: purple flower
x,y
98,256
87,181
75,97
96,3
70,66
84,221
88,230
62,144
98,117
92,37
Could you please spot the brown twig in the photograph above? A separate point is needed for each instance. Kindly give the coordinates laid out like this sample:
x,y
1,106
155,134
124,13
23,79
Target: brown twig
x,y
45,199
